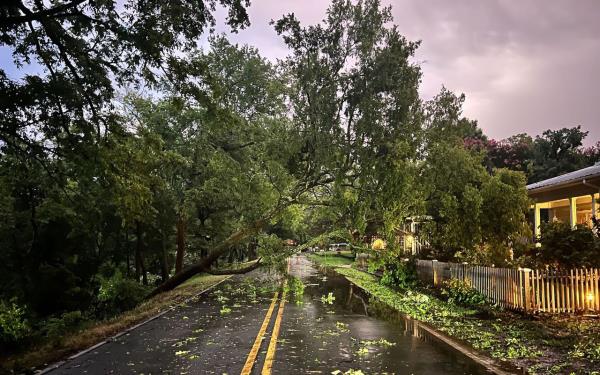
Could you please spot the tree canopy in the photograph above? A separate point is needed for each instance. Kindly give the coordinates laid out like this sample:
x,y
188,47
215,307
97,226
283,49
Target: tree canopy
x,y
135,157
550,154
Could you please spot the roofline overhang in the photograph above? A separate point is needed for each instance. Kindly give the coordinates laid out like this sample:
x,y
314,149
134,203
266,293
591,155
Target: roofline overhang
x,y
593,186
565,190
588,177
565,184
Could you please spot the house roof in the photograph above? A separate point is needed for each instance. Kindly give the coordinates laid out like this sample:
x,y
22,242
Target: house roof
x,y
566,179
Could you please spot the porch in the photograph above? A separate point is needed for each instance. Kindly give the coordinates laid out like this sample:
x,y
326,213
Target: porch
x,y
571,198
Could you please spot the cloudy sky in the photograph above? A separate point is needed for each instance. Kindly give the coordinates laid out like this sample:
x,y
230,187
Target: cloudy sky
x,y
524,65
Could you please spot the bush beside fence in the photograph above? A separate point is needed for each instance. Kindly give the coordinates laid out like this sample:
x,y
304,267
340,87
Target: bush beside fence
x,y
524,289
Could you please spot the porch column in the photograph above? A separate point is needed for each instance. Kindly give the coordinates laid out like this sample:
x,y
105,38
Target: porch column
x,y
573,212
536,221
414,242
594,205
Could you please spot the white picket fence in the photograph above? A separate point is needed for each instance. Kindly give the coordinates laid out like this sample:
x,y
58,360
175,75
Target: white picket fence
x,y
567,291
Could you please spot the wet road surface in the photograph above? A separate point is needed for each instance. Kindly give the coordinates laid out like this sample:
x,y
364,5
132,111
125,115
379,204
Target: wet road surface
x,y
329,327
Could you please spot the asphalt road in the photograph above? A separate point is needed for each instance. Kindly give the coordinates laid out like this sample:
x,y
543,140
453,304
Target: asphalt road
x,y
330,327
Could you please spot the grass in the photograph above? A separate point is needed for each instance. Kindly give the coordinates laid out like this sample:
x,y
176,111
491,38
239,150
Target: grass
x,y
330,259
338,253
550,345
45,353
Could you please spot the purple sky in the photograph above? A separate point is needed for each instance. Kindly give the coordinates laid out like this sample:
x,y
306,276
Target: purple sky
x,y
525,66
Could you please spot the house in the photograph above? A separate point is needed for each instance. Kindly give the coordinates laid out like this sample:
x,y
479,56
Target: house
x,y
290,242
411,237
570,198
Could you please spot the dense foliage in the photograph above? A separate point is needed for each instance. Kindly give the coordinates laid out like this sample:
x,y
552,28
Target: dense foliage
x,y
132,159
461,292
400,274
564,247
13,323
550,154
501,334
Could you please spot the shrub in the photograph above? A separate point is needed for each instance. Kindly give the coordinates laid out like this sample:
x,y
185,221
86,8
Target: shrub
x,y
461,292
118,293
524,251
55,327
565,247
400,274
498,254
13,324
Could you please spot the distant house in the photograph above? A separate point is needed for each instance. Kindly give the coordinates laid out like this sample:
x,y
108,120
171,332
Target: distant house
x,y
409,234
290,242
338,246
411,237
571,198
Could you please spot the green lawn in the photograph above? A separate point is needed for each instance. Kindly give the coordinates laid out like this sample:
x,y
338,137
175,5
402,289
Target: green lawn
x,y
331,259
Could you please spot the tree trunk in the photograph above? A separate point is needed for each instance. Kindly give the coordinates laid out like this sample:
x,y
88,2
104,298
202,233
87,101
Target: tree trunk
x,y
238,271
252,250
127,250
181,233
139,259
164,259
33,221
218,250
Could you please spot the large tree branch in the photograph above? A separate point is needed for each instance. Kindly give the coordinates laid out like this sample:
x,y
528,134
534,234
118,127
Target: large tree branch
x,y
228,147
37,16
218,250
56,39
222,248
233,147
236,271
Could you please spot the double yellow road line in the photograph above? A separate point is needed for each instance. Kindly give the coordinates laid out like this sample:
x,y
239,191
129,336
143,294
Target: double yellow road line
x,y
273,343
247,369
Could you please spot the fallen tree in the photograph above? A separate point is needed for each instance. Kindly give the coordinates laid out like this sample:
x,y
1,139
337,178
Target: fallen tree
x,y
236,271
301,187
221,249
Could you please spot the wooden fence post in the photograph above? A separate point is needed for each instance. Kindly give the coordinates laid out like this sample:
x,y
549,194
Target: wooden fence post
x,y
527,289
524,289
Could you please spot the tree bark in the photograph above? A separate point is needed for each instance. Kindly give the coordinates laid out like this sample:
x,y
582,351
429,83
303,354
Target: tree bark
x,y
33,221
139,259
181,233
218,250
252,254
164,259
238,271
127,250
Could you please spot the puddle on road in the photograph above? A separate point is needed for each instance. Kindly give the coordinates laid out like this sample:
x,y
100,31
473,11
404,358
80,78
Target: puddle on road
x,y
337,327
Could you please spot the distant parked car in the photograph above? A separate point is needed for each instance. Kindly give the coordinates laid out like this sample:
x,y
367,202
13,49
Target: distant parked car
x,y
338,246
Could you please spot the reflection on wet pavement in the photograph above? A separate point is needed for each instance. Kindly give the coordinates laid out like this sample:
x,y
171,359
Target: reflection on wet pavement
x,y
324,334
211,335
326,326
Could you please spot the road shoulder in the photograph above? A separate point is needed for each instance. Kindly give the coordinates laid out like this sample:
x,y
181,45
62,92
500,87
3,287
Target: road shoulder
x,y
98,333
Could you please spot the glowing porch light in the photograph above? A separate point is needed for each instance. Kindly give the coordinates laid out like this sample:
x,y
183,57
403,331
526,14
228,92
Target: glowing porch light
x,y
378,244
590,297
